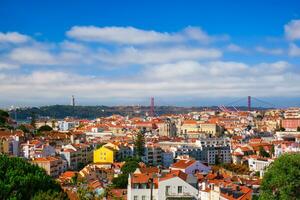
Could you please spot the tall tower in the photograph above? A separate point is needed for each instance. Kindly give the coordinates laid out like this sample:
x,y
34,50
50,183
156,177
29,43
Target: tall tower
x,y
152,107
249,103
73,101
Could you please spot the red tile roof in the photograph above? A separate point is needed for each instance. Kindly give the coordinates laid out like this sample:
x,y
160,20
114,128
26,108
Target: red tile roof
x,y
183,164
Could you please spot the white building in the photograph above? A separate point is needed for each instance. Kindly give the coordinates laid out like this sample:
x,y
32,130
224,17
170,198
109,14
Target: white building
x,y
190,166
258,164
162,187
66,125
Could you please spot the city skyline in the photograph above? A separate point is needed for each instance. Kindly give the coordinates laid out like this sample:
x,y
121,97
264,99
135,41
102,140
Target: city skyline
x,y
123,53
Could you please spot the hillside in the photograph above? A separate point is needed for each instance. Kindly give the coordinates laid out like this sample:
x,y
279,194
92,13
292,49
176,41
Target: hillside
x,y
90,112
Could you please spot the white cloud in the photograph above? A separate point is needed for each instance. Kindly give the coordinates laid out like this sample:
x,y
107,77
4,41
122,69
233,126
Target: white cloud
x,y
72,46
13,37
35,56
170,81
235,48
186,78
134,36
158,55
292,30
196,33
8,65
122,35
294,50
274,51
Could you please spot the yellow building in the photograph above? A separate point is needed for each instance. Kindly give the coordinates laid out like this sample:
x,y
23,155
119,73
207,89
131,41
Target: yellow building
x,y
105,154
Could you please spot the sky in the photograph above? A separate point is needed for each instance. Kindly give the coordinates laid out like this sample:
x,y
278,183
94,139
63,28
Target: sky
x,y
185,53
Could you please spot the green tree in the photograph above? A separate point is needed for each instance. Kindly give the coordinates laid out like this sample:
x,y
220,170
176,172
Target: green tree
x,y
282,179
22,180
272,150
53,123
86,193
99,145
263,153
49,195
45,128
80,166
298,128
33,120
4,114
139,144
217,160
129,167
121,181
281,129
3,118
23,128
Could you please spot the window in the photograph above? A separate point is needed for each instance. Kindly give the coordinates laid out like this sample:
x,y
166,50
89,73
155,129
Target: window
x,y
135,198
179,189
143,197
168,190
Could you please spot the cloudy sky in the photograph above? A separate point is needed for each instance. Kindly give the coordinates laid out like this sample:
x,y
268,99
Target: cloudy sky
x,y
123,52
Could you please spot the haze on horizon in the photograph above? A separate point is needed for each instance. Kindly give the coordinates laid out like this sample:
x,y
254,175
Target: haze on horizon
x,y
124,52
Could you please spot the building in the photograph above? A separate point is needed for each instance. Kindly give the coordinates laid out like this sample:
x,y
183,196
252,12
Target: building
x,y
77,155
54,166
152,155
190,166
167,128
258,164
123,150
37,149
291,124
105,154
207,150
10,142
66,125
221,190
292,113
172,185
167,159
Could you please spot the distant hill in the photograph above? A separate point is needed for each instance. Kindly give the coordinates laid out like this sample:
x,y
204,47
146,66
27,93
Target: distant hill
x,y
91,112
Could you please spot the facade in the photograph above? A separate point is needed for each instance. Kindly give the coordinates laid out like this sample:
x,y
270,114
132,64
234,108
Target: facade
x,y
54,166
291,124
66,125
258,164
220,190
165,187
76,155
123,150
190,166
10,145
104,154
36,149
152,155
167,128
167,159
206,150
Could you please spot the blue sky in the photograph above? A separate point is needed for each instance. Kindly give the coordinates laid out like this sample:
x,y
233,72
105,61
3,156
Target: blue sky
x,y
123,52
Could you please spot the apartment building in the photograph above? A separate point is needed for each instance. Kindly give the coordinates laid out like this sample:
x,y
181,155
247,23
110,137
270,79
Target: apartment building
x,y
152,155
207,150
54,166
172,185
37,149
258,164
221,190
77,154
